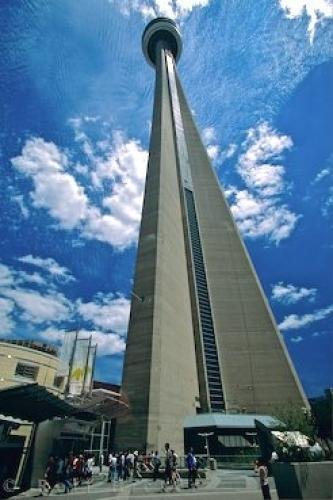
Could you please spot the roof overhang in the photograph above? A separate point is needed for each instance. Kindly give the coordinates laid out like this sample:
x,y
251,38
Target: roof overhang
x,y
229,421
104,403
34,403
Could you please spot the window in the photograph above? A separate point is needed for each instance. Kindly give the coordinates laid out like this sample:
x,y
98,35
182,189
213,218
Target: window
x,y
26,371
58,381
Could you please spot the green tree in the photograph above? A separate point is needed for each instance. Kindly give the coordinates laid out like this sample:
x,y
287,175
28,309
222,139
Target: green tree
x,y
295,418
322,410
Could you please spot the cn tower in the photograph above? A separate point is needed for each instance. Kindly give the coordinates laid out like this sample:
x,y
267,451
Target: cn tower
x,y
202,337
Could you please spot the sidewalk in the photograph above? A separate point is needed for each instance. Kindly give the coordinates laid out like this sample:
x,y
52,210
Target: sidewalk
x,y
229,485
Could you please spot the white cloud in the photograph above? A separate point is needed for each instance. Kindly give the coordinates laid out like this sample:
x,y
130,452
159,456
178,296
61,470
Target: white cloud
x,y
38,308
326,197
323,173
290,294
230,191
30,304
107,343
36,278
213,151
209,139
54,189
261,217
106,312
20,201
263,144
315,10
293,321
49,265
328,204
318,334
6,322
10,277
123,164
152,8
208,135
228,152
257,209
6,276
81,137
297,339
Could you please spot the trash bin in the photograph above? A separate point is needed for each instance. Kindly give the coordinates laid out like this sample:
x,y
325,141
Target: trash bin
x,y
212,464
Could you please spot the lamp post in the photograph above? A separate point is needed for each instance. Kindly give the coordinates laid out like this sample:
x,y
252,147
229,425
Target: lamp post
x,y
206,436
101,445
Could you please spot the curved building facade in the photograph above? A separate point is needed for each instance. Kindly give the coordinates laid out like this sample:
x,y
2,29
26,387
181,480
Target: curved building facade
x,y
24,361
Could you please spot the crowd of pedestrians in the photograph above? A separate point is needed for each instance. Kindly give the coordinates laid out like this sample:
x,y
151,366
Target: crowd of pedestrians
x,y
69,471
130,466
73,470
123,466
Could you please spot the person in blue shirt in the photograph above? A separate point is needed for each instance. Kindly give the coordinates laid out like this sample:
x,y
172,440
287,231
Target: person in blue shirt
x,y
191,463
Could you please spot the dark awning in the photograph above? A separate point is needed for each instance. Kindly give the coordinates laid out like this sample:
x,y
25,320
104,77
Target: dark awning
x,y
35,403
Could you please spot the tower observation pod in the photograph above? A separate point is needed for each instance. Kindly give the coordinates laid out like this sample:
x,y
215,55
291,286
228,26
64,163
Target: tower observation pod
x,y
204,338
161,33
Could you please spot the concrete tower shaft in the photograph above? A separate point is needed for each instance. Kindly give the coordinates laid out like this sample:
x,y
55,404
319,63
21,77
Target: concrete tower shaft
x,y
204,337
160,377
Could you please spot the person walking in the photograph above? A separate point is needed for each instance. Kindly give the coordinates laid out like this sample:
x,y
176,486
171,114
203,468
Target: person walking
x,y
59,466
130,464
68,474
61,475
120,466
263,478
112,468
191,463
50,474
156,463
79,470
168,466
89,467
175,474
136,472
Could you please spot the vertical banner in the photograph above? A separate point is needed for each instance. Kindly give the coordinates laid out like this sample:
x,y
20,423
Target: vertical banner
x,y
78,369
89,369
66,353
77,363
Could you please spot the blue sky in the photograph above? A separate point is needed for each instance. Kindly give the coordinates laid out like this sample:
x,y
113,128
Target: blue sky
x,y
75,109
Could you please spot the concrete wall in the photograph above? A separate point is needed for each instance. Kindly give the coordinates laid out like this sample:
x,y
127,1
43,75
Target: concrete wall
x,y
257,372
312,480
45,434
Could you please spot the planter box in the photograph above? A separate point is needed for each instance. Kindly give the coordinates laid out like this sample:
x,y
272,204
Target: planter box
x,y
311,480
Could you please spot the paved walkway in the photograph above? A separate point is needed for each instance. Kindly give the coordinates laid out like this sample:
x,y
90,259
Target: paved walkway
x,y
224,485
